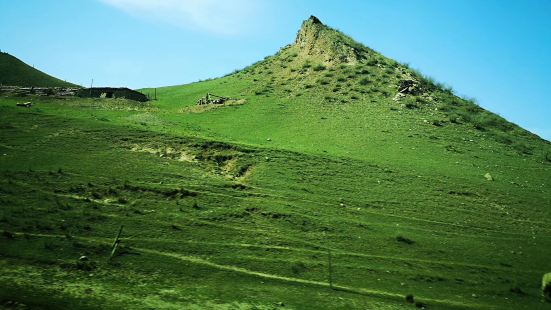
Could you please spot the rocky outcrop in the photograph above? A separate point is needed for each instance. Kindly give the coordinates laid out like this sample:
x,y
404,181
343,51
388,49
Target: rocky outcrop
x,y
316,39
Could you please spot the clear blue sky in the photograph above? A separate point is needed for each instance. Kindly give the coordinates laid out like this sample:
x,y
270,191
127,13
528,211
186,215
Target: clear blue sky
x,y
497,51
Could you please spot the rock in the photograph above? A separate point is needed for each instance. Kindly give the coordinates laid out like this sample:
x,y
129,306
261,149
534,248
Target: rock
x,y
85,264
488,177
408,87
398,97
24,105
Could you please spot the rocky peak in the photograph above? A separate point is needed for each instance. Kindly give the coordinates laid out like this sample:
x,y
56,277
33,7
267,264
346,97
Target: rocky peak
x,y
309,32
314,39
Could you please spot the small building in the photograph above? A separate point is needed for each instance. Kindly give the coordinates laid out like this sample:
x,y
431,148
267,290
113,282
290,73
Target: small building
x,y
111,92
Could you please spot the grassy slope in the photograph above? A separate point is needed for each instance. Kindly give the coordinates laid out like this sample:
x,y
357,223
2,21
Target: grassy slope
x,y
14,72
248,222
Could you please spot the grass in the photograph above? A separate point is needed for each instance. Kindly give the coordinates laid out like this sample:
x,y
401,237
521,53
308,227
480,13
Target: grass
x,y
237,206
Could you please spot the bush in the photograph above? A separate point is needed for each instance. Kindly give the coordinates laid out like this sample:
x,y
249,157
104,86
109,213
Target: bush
x,y
404,240
484,120
364,81
298,267
522,148
410,105
319,68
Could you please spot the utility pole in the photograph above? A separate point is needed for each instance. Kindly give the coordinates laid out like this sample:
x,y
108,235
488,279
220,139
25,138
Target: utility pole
x,y
91,85
155,93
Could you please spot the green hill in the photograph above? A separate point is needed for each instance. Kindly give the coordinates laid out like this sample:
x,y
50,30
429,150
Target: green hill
x,y
335,178
14,72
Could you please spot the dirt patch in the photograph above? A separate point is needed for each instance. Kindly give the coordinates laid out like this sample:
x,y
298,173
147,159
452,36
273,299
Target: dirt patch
x,y
166,152
218,158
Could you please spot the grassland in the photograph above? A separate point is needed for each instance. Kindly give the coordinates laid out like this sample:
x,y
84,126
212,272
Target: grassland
x,y
240,206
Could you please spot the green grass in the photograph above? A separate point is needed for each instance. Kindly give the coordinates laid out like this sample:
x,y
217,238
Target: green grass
x,y
237,206
14,72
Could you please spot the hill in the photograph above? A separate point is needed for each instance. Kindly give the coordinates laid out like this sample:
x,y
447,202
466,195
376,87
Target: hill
x,y
336,178
14,72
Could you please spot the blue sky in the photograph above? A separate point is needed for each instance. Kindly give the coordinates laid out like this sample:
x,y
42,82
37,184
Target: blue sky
x,y
497,51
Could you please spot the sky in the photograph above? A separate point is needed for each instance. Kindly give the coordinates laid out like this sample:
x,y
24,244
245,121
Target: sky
x,y
496,51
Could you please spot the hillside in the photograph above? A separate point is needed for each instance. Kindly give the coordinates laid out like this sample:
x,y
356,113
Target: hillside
x,y
14,72
336,178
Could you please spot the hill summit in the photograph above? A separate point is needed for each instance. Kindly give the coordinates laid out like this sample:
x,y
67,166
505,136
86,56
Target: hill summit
x,y
14,72
316,39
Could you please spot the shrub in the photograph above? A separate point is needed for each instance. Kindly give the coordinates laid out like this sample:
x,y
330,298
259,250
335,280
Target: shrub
x,y
409,298
8,234
319,68
298,267
522,148
364,81
501,138
404,240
